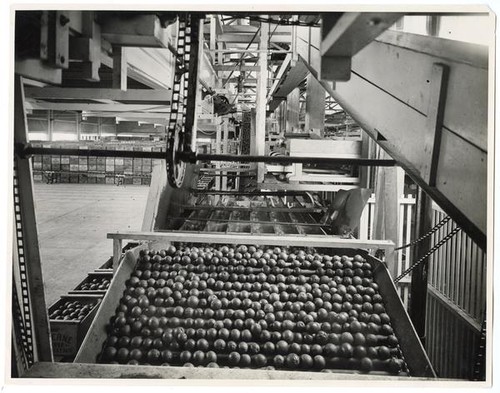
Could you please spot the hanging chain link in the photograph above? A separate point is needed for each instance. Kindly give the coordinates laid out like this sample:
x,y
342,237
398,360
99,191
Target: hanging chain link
x,y
177,120
434,229
20,330
23,321
428,254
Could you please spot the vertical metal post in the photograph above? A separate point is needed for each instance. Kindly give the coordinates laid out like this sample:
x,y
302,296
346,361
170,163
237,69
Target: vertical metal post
x,y
50,125
77,123
99,129
218,143
119,68
260,107
418,290
225,128
315,106
198,99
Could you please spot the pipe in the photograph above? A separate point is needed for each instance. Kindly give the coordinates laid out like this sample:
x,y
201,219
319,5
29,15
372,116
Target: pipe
x,y
24,151
194,157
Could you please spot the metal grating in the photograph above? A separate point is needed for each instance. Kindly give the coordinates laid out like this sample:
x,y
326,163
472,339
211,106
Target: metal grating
x,y
264,215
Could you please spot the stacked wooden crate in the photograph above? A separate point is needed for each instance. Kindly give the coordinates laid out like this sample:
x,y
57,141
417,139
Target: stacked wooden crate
x,y
94,170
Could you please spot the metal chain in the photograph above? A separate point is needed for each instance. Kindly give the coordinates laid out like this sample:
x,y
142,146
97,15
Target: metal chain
x,y
25,312
178,104
21,337
428,254
434,229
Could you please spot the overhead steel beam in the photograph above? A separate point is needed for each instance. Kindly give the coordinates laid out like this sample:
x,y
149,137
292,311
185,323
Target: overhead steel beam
x,y
277,30
135,72
343,35
38,70
68,93
235,67
137,31
246,38
83,106
136,116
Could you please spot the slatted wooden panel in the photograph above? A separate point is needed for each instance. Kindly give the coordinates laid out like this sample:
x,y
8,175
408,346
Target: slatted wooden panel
x,y
458,270
456,302
451,342
404,259
406,213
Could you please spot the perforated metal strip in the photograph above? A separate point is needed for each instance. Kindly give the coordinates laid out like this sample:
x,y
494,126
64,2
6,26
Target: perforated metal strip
x,y
24,319
20,330
178,88
177,119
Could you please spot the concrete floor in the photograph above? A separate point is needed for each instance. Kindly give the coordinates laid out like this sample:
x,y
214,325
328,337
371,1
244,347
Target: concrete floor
x,y
73,220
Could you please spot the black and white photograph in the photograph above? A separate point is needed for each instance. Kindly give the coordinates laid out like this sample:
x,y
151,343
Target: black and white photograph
x,y
250,194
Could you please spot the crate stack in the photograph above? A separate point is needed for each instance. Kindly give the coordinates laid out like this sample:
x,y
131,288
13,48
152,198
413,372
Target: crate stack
x,y
94,170
68,335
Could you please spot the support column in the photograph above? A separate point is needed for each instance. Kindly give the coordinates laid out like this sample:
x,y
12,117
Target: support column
x,y
225,131
77,124
260,117
388,189
99,128
198,99
213,34
364,172
292,111
50,124
292,120
253,141
283,111
315,106
119,68
218,133
88,47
